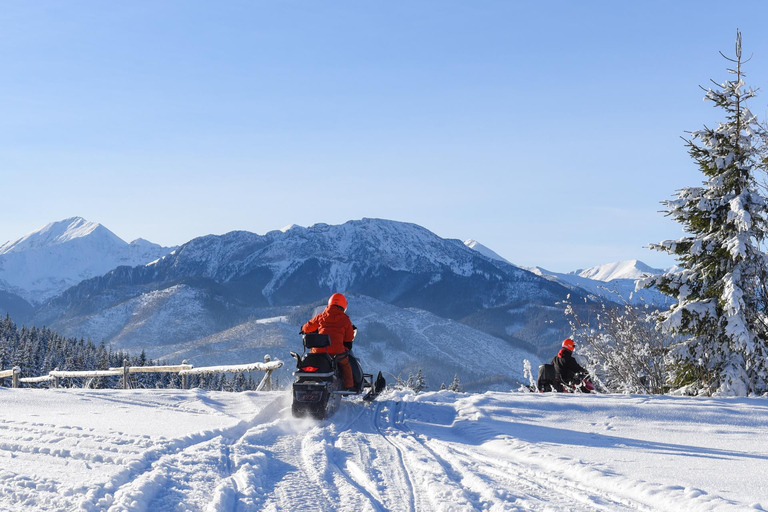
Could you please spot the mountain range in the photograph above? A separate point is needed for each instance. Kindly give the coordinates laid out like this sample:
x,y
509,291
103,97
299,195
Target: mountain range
x,y
419,300
612,281
44,263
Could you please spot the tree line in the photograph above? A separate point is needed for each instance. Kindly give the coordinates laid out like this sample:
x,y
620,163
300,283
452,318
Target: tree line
x,y
38,351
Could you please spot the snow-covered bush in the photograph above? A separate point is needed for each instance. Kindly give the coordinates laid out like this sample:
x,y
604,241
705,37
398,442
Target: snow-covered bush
x,y
623,349
528,374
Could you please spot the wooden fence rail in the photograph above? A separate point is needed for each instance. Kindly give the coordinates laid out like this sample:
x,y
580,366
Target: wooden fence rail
x,y
184,370
14,373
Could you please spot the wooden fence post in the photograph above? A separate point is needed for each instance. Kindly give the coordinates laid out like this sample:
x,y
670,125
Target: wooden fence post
x,y
268,376
125,374
15,377
184,377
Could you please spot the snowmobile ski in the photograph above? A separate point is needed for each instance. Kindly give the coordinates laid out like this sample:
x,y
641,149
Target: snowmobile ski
x,y
377,388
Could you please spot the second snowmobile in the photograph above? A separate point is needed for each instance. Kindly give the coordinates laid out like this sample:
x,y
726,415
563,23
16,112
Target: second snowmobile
x,y
546,382
318,389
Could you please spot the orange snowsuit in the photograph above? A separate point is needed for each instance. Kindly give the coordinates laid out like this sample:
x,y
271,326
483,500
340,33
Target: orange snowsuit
x,y
336,324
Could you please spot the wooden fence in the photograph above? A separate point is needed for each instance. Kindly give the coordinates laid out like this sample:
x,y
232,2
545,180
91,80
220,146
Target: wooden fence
x,y
184,370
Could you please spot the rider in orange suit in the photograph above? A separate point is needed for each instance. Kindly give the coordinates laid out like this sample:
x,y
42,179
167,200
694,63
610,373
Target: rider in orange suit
x,y
336,324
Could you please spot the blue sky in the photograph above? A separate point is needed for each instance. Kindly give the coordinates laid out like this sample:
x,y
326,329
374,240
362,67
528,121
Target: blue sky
x,y
548,131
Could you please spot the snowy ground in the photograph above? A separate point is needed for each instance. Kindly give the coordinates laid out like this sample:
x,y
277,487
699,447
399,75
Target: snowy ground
x,y
162,450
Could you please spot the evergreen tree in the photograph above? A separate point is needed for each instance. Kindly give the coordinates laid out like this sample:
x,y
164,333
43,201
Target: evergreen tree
x,y
239,383
720,283
455,385
418,383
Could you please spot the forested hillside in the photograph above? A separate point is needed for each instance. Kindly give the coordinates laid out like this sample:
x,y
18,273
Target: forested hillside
x,y
37,351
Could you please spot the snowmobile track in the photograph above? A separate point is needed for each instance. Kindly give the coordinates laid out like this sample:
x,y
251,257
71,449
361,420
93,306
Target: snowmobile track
x,y
366,491
536,482
402,452
161,475
378,413
466,468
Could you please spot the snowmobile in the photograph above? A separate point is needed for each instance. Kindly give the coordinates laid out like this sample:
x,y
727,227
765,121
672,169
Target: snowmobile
x,y
547,382
318,388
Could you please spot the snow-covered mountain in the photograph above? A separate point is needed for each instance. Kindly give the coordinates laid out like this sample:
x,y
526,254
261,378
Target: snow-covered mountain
x,y
211,298
485,251
209,291
44,263
13,305
395,262
395,340
632,269
612,281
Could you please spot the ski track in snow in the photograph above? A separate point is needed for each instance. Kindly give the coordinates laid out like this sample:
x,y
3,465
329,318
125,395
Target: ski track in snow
x,y
396,454
467,480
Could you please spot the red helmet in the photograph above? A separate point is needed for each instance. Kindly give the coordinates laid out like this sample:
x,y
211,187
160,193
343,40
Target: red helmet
x,y
569,344
338,299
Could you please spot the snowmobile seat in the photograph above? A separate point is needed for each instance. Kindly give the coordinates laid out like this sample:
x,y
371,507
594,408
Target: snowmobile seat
x,y
546,380
314,340
323,363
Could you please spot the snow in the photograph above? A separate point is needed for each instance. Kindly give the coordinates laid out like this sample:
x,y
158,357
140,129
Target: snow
x,y
44,263
157,315
485,251
631,269
614,281
272,320
273,365
54,233
168,450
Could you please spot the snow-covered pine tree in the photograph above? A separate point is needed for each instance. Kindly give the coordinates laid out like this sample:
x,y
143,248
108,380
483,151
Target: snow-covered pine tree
x,y
239,383
721,279
419,382
455,385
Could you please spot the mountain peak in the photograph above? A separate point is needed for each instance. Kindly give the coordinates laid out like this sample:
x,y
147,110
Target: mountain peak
x,y
485,251
290,227
144,243
57,233
630,269
47,261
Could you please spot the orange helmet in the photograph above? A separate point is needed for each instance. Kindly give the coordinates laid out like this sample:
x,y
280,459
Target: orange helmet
x,y
338,299
569,344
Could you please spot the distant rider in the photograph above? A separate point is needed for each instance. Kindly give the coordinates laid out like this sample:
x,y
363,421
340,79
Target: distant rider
x,y
567,370
336,324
